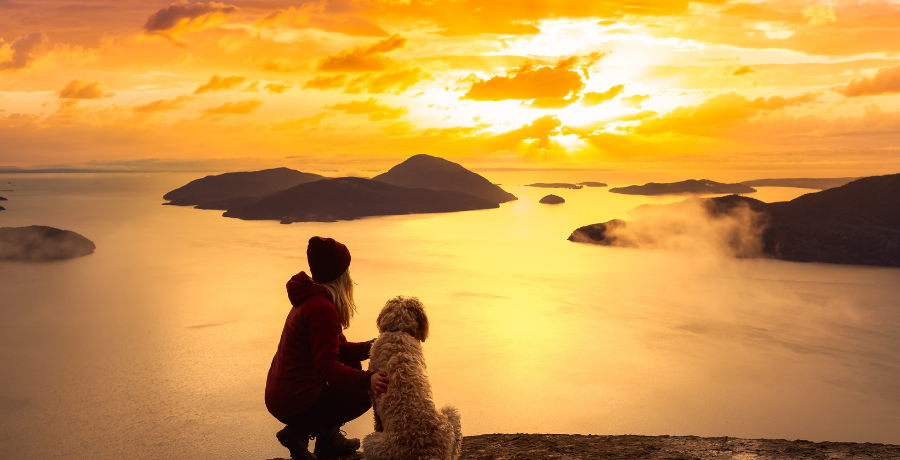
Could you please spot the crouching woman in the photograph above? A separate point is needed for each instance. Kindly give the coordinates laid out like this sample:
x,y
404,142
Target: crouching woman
x,y
316,382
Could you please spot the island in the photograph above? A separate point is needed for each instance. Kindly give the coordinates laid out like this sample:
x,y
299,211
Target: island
x,y
218,191
552,199
2,208
817,184
2,199
449,188
38,243
700,187
857,223
592,184
555,185
434,173
349,198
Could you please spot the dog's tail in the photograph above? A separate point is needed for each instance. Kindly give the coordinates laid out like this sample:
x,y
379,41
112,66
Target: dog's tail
x,y
455,421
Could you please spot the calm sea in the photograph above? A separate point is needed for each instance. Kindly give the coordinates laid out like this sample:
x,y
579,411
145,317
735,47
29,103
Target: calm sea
x,y
157,346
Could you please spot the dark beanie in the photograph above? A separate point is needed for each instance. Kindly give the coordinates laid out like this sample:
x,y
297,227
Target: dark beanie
x,y
328,259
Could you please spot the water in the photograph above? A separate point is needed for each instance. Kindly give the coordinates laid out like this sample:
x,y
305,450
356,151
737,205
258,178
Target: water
x,y
157,345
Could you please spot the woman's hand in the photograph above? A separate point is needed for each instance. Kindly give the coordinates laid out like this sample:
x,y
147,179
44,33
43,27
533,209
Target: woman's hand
x,y
379,383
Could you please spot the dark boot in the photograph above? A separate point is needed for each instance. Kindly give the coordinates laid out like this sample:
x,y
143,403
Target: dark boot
x,y
331,442
296,442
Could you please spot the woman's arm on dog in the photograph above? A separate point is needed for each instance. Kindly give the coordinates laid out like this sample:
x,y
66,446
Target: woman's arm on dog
x,y
324,339
357,351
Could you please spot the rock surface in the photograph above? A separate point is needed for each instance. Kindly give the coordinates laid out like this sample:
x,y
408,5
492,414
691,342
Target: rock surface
x,y
817,184
555,185
212,191
857,223
433,173
37,243
703,186
628,447
552,199
593,184
350,198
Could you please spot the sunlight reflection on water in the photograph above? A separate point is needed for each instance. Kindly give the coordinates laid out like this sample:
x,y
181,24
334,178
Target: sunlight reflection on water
x,y
157,345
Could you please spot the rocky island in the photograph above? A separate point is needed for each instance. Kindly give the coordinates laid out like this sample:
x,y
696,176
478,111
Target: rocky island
x,y
593,184
217,192
37,243
2,199
434,173
857,223
699,187
555,185
421,184
552,199
349,198
817,184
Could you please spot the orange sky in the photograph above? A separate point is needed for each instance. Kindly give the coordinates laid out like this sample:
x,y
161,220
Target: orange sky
x,y
356,86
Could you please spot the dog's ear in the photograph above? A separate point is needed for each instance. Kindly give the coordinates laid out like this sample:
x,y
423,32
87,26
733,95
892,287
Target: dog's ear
x,y
387,319
418,313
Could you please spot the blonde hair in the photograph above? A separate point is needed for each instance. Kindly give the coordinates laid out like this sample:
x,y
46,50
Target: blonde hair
x,y
341,291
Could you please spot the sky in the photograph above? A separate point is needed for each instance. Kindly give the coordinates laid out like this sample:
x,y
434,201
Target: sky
x,y
355,86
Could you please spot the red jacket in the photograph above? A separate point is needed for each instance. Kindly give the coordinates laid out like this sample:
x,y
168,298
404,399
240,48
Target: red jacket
x,y
311,345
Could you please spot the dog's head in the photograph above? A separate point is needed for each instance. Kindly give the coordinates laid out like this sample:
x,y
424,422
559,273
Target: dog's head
x,y
406,314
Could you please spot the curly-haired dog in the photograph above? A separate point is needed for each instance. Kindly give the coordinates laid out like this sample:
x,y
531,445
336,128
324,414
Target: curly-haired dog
x,y
407,425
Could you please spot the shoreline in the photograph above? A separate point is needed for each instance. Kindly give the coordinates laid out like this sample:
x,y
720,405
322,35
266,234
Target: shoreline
x,y
626,447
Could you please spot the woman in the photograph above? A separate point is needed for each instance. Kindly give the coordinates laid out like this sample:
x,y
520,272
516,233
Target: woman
x,y
316,382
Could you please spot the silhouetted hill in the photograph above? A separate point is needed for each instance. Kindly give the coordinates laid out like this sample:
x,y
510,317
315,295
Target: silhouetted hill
x,y
857,223
703,186
38,243
818,184
552,199
223,187
555,185
433,173
349,198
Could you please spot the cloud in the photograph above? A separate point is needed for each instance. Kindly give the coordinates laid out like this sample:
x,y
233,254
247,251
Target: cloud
x,y
363,58
83,89
294,124
397,82
24,51
217,83
818,15
182,17
323,82
278,88
635,101
163,104
322,15
591,99
251,88
885,81
370,107
278,65
244,107
527,82
743,69
716,113
184,60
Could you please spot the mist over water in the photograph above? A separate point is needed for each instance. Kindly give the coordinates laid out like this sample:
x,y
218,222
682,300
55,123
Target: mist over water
x,y
157,345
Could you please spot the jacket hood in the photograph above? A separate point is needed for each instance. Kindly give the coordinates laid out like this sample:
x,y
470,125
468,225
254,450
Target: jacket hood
x,y
301,287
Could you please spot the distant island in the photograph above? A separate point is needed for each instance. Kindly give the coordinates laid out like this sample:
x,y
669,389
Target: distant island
x,y
703,186
857,223
592,184
216,192
350,198
3,199
555,185
449,188
817,184
434,173
2,208
37,243
552,199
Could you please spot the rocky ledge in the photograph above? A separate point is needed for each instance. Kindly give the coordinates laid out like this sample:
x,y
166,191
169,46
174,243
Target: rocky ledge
x,y
627,447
